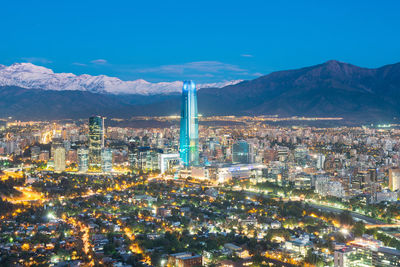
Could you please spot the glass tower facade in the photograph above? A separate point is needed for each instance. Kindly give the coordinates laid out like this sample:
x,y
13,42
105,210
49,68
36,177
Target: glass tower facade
x,y
106,159
83,159
189,131
241,152
96,142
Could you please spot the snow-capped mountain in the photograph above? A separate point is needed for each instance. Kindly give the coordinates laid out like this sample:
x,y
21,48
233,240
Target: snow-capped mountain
x,y
31,76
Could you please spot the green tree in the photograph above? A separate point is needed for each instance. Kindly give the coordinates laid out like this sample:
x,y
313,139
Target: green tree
x,y
359,228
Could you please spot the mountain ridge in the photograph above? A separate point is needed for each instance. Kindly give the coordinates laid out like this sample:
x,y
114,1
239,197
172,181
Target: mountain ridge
x,y
30,76
330,89
256,96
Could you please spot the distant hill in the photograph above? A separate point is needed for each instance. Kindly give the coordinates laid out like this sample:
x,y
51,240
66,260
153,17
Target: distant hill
x,y
330,89
25,104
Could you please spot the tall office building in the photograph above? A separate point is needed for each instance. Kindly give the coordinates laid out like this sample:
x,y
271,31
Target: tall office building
x,y
241,152
96,142
189,131
373,175
56,142
59,159
83,159
320,161
35,152
167,162
394,179
145,158
106,160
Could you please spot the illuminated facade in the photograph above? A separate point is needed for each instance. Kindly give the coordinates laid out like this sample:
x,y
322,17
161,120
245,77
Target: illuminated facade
x,y
366,252
59,159
83,159
96,142
241,152
167,162
189,131
106,159
394,179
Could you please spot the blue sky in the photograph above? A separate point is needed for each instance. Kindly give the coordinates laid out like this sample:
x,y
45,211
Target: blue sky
x,y
206,41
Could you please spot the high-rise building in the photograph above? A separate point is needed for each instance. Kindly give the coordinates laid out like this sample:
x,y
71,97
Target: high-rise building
x,y
373,175
56,142
167,162
96,142
106,160
283,153
35,151
394,179
189,131
241,152
83,159
145,158
300,155
320,161
59,159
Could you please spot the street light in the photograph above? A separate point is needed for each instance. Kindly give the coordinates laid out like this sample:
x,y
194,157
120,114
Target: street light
x,y
51,216
344,231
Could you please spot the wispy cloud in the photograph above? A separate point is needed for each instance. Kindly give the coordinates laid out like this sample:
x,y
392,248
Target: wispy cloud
x,y
39,60
99,61
201,71
198,66
246,55
79,64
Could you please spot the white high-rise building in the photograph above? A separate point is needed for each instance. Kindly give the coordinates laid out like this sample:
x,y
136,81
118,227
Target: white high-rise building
x,y
394,179
59,159
167,162
320,161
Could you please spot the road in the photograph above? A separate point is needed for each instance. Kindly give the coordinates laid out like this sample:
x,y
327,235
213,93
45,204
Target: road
x,y
354,214
27,195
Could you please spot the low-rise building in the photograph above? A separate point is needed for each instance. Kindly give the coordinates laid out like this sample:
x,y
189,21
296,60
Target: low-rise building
x,y
185,259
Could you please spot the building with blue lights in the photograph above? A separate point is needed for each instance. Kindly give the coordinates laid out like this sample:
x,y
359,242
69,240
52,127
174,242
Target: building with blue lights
x,y
189,131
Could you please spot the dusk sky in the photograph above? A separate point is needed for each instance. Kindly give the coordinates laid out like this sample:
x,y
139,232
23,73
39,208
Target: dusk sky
x,y
206,41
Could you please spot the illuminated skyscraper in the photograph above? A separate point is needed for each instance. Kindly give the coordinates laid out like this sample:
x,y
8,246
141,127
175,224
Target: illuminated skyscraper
x,y
96,142
106,160
59,159
394,179
83,158
189,134
241,152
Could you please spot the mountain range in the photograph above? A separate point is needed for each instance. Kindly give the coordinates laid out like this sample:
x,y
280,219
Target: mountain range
x,y
30,76
330,89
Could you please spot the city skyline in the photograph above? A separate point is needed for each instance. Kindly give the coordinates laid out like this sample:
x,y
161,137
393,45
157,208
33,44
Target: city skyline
x,y
188,134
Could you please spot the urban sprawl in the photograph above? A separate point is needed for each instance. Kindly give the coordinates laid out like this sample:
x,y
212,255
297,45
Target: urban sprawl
x,y
245,193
